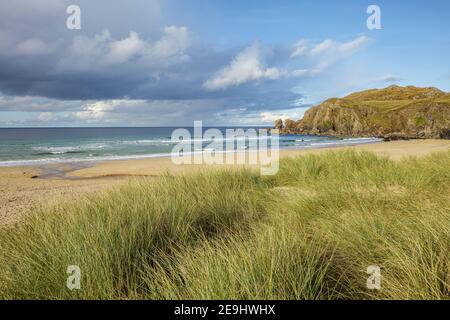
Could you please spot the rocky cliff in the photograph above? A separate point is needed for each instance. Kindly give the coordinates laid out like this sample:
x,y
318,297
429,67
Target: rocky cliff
x,y
393,113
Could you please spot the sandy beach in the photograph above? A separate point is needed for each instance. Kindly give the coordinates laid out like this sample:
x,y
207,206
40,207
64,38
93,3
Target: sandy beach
x,y
22,188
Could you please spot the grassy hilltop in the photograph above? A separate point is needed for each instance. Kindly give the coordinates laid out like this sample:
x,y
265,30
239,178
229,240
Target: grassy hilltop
x,y
309,232
402,112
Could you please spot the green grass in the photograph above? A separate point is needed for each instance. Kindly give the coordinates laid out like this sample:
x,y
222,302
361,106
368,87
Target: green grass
x,y
310,232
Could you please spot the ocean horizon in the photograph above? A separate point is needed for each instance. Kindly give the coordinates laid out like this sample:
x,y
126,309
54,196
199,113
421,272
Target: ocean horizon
x,y
38,146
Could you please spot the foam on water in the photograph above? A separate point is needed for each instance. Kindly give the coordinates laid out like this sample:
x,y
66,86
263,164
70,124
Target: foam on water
x,y
53,145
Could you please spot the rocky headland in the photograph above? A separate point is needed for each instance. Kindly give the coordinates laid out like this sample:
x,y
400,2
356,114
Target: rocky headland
x,y
393,113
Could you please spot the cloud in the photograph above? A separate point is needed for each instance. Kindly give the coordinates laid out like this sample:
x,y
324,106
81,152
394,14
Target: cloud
x,y
142,68
101,50
300,47
35,104
96,110
270,117
246,107
322,47
353,45
245,67
391,78
174,41
33,46
328,46
304,72
329,51
100,110
46,117
101,66
123,50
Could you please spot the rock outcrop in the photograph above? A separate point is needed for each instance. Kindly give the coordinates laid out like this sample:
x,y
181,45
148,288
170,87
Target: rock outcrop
x,y
393,113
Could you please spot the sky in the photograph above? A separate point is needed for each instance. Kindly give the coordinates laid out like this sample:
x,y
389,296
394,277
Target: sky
x,y
224,62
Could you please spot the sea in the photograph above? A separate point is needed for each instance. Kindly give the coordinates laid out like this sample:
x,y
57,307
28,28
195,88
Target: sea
x,y
38,146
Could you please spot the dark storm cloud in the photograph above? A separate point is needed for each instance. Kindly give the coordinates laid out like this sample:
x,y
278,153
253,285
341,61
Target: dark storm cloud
x,y
103,60
129,64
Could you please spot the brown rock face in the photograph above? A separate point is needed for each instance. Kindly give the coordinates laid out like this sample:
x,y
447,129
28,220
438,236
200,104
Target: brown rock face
x,y
279,124
393,112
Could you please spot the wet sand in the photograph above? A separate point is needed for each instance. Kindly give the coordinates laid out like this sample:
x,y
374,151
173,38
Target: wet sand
x,y
22,188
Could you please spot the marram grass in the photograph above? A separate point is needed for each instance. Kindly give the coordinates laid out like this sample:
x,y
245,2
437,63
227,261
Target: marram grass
x,y
310,232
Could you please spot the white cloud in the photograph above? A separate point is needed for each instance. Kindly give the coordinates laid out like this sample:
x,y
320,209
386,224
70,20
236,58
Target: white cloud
x,y
353,45
45,117
270,117
87,53
304,72
174,41
322,47
300,47
98,110
338,51
245,67
326,53
122,50
328,46
32,46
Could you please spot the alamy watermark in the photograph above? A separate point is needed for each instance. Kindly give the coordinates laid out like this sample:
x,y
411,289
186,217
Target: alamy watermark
x,y
374,20
73,22
374,279
234,147
74,279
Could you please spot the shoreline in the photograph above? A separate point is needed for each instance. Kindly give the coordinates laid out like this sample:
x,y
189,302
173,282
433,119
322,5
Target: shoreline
x,y
157,166
22,188
346,141
78,169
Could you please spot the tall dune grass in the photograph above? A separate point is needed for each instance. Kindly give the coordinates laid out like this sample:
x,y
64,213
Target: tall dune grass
x,y
310,232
